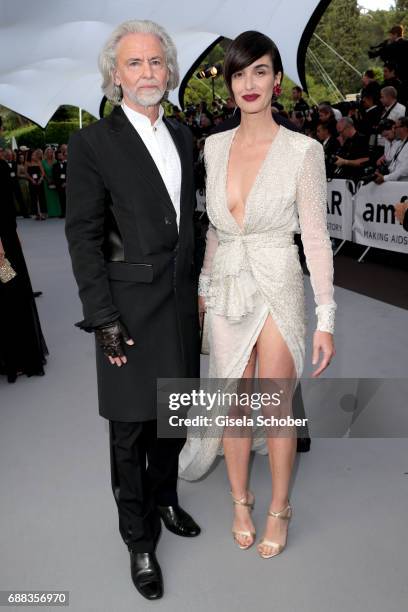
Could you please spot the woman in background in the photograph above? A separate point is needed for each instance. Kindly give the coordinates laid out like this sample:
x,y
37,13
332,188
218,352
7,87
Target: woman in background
x,y
51,194
35,173
23,181
22,346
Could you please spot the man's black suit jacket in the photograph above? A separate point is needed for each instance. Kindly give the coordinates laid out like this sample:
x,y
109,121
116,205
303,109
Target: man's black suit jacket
x,y
130,261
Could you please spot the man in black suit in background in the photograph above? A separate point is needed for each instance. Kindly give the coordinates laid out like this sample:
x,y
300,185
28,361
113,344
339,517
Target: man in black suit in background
x,y
330,146
130,203
59,175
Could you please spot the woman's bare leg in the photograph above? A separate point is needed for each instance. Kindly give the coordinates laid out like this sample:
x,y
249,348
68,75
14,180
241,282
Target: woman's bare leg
x,y
237,451
275,362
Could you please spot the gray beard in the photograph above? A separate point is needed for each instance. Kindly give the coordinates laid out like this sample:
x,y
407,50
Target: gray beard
x,y
145,100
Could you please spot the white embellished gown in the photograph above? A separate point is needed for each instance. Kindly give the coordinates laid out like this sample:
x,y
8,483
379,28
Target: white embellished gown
x,y
254,271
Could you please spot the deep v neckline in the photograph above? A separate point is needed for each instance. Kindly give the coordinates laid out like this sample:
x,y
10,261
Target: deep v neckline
x,y
255,181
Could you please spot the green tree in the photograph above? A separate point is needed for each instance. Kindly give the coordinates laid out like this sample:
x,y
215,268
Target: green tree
x,y
340,27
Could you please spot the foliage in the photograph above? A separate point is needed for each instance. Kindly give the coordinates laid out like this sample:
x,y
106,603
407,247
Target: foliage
x,y
201,89
340,27
34,137
350,32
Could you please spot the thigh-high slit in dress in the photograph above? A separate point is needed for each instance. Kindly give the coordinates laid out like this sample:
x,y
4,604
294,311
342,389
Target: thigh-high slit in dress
x,y
253,271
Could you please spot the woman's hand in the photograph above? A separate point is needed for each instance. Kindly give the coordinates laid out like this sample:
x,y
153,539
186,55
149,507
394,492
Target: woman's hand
x,y
322,342
201,309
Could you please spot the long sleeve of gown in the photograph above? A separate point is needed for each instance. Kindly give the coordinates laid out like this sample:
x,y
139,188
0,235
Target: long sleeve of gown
x,y
211,244
311,204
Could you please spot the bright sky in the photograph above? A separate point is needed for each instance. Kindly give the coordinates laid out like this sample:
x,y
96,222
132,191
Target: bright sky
x,y
374,5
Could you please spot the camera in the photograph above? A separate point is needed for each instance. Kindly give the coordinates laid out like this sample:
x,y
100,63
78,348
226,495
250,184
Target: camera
x,y
377,50
369,173
337,172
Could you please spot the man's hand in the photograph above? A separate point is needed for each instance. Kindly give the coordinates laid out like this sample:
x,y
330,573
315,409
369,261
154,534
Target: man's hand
x,y
379,178
340,162
111,338
400,210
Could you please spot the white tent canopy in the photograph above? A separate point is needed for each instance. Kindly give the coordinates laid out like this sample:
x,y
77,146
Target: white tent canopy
x,y
49,48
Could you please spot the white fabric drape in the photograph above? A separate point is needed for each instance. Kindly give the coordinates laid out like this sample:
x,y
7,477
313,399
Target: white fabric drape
x,y
49,49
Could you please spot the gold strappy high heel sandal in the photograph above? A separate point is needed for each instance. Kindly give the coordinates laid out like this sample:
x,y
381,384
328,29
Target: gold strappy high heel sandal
x,y
244,502
285,515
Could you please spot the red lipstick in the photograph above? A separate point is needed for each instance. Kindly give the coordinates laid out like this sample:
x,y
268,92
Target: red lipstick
x,y
251,97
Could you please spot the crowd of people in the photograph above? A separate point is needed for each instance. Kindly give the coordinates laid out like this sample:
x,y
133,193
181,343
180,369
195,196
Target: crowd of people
x,y
363,140
38,180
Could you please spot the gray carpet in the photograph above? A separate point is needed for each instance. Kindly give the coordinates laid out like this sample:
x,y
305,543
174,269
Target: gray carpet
x,y
347,544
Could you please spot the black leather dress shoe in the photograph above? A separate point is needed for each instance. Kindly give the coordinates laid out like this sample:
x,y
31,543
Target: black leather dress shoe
x,y
178,521
303,445
146,574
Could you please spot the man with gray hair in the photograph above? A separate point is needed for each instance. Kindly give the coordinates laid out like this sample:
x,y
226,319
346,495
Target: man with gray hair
x,y
392,108
130,203
398,165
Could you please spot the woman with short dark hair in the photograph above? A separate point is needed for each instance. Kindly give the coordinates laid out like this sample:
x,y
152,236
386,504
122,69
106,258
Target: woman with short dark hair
x,y
263,182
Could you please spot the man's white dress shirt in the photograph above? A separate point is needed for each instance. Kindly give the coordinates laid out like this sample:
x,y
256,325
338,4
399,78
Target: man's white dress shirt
x,y
398,166
394,114
397,112
161,147
390,148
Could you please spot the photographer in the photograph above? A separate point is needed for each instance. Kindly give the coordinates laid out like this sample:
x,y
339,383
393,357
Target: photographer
x,y
386,129
298,119
330,147
381,165
371,86
396,52
353,155
390,78
297,97
398,166
394,49
370,116
392,108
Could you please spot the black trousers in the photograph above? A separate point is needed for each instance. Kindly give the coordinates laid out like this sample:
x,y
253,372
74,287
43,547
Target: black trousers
x,y
144,472
38,202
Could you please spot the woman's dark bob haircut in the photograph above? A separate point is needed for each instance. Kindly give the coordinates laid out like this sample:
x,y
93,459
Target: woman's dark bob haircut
x,y
245,50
